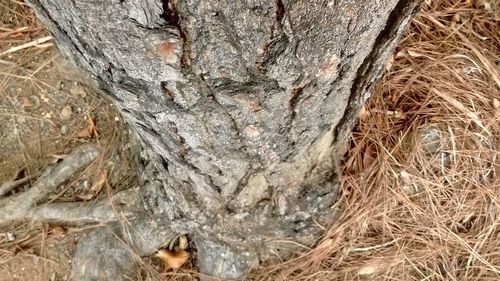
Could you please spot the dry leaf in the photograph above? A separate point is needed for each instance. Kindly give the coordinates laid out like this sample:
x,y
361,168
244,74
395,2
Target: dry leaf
x,y
26,103
56,231
171,259
84,133
31,102
96,186
90,130
99,182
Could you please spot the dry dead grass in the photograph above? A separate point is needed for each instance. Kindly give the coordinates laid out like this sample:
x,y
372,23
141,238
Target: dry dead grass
x,y
420,193
420,187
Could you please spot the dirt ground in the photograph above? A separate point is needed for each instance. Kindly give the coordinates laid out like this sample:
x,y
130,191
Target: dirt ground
x,y
47,108
420,193
42,117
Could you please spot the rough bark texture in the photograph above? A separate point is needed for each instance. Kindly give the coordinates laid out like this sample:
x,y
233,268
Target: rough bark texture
x,y
239,106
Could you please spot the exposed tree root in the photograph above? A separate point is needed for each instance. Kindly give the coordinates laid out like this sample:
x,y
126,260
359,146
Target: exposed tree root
x,y
129,232
6,187
19,206
119,205
217,258
110,253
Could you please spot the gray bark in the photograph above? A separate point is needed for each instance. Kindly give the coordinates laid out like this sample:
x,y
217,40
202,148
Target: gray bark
x,y
240,107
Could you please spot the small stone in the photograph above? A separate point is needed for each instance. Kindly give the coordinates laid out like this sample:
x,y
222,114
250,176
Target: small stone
x,y
44,98
10,236
64,130
66,112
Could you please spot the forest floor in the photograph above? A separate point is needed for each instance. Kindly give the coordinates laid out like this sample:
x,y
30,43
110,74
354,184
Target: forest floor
x,y
420,195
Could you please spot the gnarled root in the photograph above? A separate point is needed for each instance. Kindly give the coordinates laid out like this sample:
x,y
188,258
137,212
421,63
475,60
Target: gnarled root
x,y
20,206
111,252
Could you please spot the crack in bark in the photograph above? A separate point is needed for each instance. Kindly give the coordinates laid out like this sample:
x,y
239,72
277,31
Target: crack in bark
x,y
280,12
170,14
43,12
362,81
278,40
172,17
294,98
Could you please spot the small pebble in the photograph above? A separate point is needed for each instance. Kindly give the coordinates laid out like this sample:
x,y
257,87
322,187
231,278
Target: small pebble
x,y
10,236
64,130
44,98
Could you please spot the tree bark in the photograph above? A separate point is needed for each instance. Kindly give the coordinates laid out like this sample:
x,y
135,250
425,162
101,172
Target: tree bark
x,y
240,107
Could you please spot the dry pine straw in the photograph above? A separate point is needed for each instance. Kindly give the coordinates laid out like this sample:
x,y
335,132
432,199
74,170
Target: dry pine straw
x,y
412,209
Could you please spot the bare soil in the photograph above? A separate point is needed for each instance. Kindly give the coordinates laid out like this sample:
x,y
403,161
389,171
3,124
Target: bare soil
x,y
42,117
47,108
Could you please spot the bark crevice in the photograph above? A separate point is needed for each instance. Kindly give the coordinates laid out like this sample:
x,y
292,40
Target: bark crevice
x,y
366,74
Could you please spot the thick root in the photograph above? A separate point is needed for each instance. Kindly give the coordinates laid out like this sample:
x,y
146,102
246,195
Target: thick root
x,y
120,205
102,256
17,207
218,260
112,252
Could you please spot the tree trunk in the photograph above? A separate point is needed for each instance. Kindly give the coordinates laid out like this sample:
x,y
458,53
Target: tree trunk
x,y
240,107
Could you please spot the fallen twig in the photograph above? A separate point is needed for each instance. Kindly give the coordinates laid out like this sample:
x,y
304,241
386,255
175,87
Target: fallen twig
x,y
27,45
